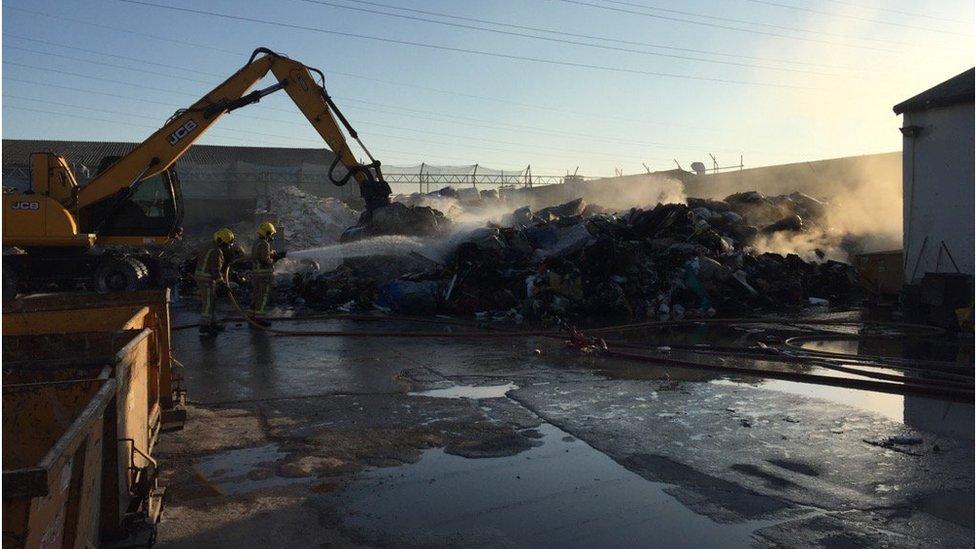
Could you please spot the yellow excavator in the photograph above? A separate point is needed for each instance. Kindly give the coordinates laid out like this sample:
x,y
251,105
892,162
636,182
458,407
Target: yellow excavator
x,y
70,234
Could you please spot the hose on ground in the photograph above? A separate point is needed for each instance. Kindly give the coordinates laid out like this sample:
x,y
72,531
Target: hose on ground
x,y
951,371
797,342
915,330
903,388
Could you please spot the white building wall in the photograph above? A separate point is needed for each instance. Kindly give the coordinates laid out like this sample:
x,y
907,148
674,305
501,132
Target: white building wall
x,y
938,189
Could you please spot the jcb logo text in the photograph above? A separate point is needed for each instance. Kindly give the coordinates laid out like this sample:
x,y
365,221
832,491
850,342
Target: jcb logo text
x,y
182,132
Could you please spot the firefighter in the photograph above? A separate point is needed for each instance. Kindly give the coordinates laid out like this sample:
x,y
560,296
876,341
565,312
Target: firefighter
x,y
263,258
211,264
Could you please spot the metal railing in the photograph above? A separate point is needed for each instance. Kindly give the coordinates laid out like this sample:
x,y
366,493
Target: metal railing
x,y
429,181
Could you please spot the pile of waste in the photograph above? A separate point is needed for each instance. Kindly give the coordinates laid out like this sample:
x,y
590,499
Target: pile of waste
x,y
671,261
305,220
401,219
458,205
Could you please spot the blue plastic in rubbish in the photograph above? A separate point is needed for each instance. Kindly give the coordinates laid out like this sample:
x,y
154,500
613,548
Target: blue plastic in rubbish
x,y
409,297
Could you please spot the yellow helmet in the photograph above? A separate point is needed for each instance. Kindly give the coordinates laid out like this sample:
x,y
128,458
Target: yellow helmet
x,y
266,229
224,236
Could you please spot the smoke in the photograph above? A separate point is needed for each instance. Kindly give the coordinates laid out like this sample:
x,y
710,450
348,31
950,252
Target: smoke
x,y
468,215
863,215
870,214
643,191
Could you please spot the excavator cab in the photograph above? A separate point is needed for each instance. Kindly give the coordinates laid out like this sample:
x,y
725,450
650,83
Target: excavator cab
x,y
149,208
51,176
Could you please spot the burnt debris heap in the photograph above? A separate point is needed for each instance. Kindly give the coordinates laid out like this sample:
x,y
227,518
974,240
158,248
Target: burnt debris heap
x,y
577,260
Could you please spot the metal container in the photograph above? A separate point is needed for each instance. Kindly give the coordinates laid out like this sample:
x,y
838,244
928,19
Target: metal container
x,y
880,273
52,460
72,313
131,427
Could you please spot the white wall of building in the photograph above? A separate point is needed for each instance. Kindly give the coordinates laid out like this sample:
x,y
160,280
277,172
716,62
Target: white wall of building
x,y
938,185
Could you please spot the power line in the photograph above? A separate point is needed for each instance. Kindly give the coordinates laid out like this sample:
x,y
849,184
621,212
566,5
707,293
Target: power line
x,y
602,116
121,113
89,61
106,54
82,117
124,83
75,90
532,151
441,117
746,21
592,37
289,122
892,10
120,29
130,125
492,124
79,75
485,53
561,40
568,153
718,26
394,110
286,139
56,103
856,18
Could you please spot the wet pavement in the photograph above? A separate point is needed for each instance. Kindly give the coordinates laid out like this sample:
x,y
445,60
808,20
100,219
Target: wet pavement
x,y
562,493
462,442
468,391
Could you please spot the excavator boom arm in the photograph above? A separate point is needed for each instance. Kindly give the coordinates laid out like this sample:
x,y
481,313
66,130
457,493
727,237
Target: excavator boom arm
x,y
310,99
169,143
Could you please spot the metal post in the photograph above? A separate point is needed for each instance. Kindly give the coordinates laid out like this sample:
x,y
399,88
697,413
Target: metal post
x,y
420,179
474,175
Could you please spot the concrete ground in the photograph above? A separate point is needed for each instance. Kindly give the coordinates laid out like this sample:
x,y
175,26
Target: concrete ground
x,y
297,441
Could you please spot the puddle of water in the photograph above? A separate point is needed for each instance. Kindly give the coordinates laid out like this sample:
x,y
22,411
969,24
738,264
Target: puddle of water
x,y
468,391
935,416
561,494
889,406
932,415
245,469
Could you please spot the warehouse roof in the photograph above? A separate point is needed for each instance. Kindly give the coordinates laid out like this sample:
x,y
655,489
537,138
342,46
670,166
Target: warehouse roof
x,y
958,89
90,153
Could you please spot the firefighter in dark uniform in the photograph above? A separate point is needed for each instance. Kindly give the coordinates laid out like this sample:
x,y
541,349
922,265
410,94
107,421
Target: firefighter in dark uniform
x,y
211,264
263,258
